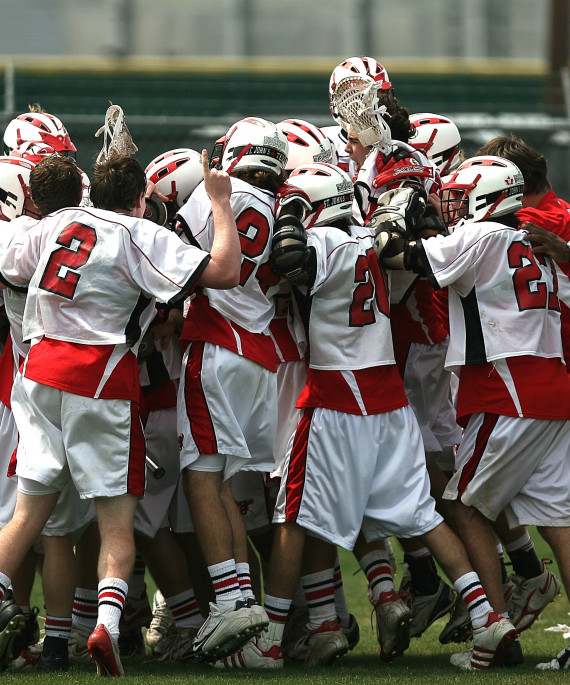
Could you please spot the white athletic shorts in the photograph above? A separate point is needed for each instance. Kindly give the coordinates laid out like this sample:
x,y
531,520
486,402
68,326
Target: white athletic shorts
x,y
98,443
8,443
250,494
291,379
347,472
520,465
427,386
71,514
227,405
161,440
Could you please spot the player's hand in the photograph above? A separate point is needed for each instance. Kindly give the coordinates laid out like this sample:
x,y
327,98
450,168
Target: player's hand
x,y
218,183
546,242
151,189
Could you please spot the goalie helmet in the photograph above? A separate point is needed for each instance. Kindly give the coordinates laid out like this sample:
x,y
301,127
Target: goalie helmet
x,y
15,187
36,127
366,67
255,143
439,139
176,174
307,143
482,187
330,191
359,107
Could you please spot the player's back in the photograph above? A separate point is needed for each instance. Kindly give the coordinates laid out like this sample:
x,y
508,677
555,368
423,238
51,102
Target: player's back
x,y
93,275
249,304
348,317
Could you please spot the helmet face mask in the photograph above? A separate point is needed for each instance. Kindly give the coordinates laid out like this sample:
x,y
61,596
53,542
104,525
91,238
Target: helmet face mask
x,y
330,191
255,143
481,188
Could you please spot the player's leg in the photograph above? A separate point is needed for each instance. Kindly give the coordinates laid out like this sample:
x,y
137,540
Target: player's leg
x,y
532,586
559,541
16,538
115,516
174,582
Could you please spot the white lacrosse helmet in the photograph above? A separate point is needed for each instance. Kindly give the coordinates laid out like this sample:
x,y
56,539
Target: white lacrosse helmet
x,y
358,105
439,139
482,187
35,127
255,143
14,187
176,174
330,191
366,67
307,143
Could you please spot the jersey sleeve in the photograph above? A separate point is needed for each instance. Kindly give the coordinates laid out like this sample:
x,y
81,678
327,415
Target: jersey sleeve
x,y
162,264
448,258
20,255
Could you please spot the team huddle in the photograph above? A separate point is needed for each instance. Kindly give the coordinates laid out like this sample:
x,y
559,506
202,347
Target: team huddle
x,y
221,368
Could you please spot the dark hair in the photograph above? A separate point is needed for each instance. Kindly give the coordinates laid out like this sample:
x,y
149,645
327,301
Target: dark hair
x,y
399,119
260,178
531,163
117,183
55,183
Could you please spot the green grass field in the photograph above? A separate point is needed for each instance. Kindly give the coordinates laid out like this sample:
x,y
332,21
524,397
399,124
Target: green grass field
x,y
426,661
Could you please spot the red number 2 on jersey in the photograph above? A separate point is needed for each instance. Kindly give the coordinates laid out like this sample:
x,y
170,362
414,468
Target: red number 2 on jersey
x,y
60,277
529,280
372,287
254,232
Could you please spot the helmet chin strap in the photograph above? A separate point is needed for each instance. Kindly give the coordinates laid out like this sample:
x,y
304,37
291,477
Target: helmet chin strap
x,y
245,150
492,208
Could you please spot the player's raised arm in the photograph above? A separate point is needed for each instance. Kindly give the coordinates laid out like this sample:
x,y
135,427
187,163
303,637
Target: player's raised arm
x,y
224,266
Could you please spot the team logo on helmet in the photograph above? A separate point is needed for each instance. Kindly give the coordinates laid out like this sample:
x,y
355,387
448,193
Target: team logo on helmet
x,y
323,155
275,141
344,187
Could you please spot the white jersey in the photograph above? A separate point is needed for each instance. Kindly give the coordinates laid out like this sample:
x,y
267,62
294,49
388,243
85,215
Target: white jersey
x,y
348,324
93,275
503,300
15,301
249,304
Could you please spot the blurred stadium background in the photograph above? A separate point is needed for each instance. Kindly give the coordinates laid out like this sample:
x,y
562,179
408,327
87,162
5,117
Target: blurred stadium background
x,y
184,70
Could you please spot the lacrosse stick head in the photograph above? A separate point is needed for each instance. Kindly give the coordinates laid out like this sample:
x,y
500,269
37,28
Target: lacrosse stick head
x,y
356,99
117,138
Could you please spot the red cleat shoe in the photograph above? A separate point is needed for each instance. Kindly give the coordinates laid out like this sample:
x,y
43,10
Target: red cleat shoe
x,y
104,651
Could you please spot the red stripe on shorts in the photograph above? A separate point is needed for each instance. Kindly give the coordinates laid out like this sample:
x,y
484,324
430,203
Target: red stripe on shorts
x,y
297,467
197,409
483,435
136,472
